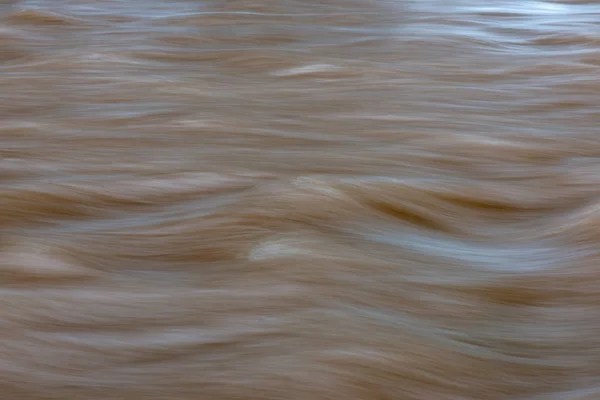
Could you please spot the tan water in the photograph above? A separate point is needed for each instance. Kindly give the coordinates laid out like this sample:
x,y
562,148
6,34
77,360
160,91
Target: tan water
x,y
299,200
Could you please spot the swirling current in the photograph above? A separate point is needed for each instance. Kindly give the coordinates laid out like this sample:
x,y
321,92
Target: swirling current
x,y
299,200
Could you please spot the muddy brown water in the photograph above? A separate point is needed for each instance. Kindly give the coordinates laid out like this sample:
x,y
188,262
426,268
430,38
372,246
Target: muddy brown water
x,y
300,200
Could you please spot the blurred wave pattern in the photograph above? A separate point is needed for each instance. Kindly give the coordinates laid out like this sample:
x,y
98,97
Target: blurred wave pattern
x,y
300,200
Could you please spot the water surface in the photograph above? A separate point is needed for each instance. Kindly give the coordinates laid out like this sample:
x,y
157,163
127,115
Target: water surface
x,y
302,200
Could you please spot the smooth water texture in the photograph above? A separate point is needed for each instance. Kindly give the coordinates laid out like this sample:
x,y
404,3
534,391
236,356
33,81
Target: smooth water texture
x,y
300,200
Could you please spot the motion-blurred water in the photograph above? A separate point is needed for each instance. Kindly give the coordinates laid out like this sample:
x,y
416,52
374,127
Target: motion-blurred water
x,y
300,200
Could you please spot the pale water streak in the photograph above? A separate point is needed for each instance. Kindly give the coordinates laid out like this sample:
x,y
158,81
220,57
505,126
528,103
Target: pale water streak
x,y
299,199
